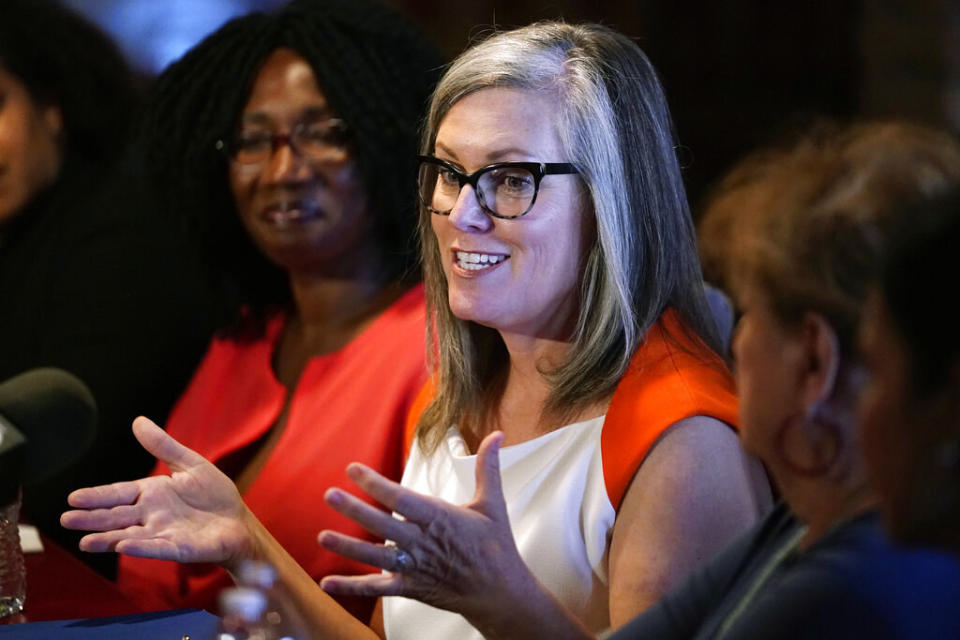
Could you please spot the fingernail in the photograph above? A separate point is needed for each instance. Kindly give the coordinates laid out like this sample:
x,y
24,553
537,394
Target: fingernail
x,y
334,497
356,469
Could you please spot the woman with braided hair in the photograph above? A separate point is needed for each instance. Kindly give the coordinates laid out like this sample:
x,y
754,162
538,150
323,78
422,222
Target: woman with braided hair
x,y
286,144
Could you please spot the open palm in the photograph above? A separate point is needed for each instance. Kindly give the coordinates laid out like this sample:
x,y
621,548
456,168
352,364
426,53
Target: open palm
x,y
195,514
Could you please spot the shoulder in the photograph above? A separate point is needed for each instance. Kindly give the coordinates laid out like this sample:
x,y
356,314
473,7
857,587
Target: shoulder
x,y
858,560
394,343
676,373
406,315
231,370
693,494
674,379
696,466
854,583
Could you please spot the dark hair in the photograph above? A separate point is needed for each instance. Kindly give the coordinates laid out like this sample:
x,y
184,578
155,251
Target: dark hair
x,y
64,60
376,71
922,257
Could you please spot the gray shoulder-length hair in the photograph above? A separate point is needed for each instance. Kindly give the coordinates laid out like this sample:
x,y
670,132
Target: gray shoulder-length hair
x,y
615,127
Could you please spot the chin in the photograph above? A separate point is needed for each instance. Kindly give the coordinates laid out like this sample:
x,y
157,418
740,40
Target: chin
x,y
469,313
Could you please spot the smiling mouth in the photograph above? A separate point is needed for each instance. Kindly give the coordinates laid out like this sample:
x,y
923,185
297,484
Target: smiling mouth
x,y
471,261
284,214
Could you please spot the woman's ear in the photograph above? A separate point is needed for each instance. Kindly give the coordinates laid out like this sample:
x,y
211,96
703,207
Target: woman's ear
x,y
822,363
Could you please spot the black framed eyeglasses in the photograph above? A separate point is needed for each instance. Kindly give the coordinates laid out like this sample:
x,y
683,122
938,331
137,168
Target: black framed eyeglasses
x,y
320,141
504,189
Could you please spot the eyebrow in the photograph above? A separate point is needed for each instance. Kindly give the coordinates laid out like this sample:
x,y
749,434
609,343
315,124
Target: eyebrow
x,y
496,155
309,113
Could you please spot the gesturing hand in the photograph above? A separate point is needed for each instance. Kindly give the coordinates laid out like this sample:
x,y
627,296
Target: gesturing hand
x,y
193,515
456,558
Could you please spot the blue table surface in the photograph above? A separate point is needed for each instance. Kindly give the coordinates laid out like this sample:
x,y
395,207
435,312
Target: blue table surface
x,y
159,625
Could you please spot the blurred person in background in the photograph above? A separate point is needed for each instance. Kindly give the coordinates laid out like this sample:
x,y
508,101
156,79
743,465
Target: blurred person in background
x,y
285,142
910,413
799,233
90,281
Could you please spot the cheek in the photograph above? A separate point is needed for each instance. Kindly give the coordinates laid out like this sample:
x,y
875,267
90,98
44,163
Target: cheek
x,y
31,164
751,413
240,182
346,179
437,225
762,401
42,148
553,250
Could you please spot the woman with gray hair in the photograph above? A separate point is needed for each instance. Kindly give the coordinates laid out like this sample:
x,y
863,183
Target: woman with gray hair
x,y
567,322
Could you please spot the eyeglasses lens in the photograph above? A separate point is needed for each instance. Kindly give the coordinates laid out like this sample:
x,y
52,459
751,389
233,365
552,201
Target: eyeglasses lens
x,y
506,191
320,142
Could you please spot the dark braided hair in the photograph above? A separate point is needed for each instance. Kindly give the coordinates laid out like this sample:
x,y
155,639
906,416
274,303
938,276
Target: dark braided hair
x,y
64,60
376,71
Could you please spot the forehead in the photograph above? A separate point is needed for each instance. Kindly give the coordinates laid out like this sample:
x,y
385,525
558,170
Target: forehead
x,y
284,86
499,124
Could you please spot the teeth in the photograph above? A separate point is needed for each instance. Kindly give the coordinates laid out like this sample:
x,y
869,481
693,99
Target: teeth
x,y
476,261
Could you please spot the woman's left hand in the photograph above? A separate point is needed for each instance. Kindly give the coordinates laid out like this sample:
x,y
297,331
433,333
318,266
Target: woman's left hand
x,y
451,557
462,559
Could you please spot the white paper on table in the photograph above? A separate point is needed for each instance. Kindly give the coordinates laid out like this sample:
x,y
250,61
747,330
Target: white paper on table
x,y
30,539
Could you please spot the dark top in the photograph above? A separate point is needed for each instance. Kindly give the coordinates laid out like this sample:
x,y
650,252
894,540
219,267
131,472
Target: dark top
x,y
92,282
850,584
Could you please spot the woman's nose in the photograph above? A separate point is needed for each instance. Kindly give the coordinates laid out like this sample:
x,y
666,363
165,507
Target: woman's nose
x,y
285,164
467,214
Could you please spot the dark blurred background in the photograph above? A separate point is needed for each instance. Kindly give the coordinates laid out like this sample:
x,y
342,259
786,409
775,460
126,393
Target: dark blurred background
x,y
737,72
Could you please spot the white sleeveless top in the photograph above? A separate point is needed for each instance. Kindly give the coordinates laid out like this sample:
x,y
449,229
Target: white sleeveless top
x,y
560,515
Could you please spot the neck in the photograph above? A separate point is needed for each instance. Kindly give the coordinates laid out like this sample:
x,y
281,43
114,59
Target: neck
x,y
531,355
331,302
520,414
340,291
823,502
331,309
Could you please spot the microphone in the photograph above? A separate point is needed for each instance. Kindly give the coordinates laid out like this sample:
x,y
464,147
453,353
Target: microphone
x,y
48,420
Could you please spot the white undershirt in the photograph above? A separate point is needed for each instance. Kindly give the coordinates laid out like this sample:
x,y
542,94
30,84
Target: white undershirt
x,y
560,515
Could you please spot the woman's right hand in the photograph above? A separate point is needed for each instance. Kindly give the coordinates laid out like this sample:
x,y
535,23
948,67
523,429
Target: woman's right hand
x,y
195,514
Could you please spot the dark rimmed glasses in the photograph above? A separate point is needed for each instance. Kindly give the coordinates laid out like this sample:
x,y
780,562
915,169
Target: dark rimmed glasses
x,y
319,141
504,189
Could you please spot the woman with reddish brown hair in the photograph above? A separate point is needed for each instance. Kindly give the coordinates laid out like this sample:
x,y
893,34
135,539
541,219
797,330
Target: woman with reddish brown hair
x,y
798,234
